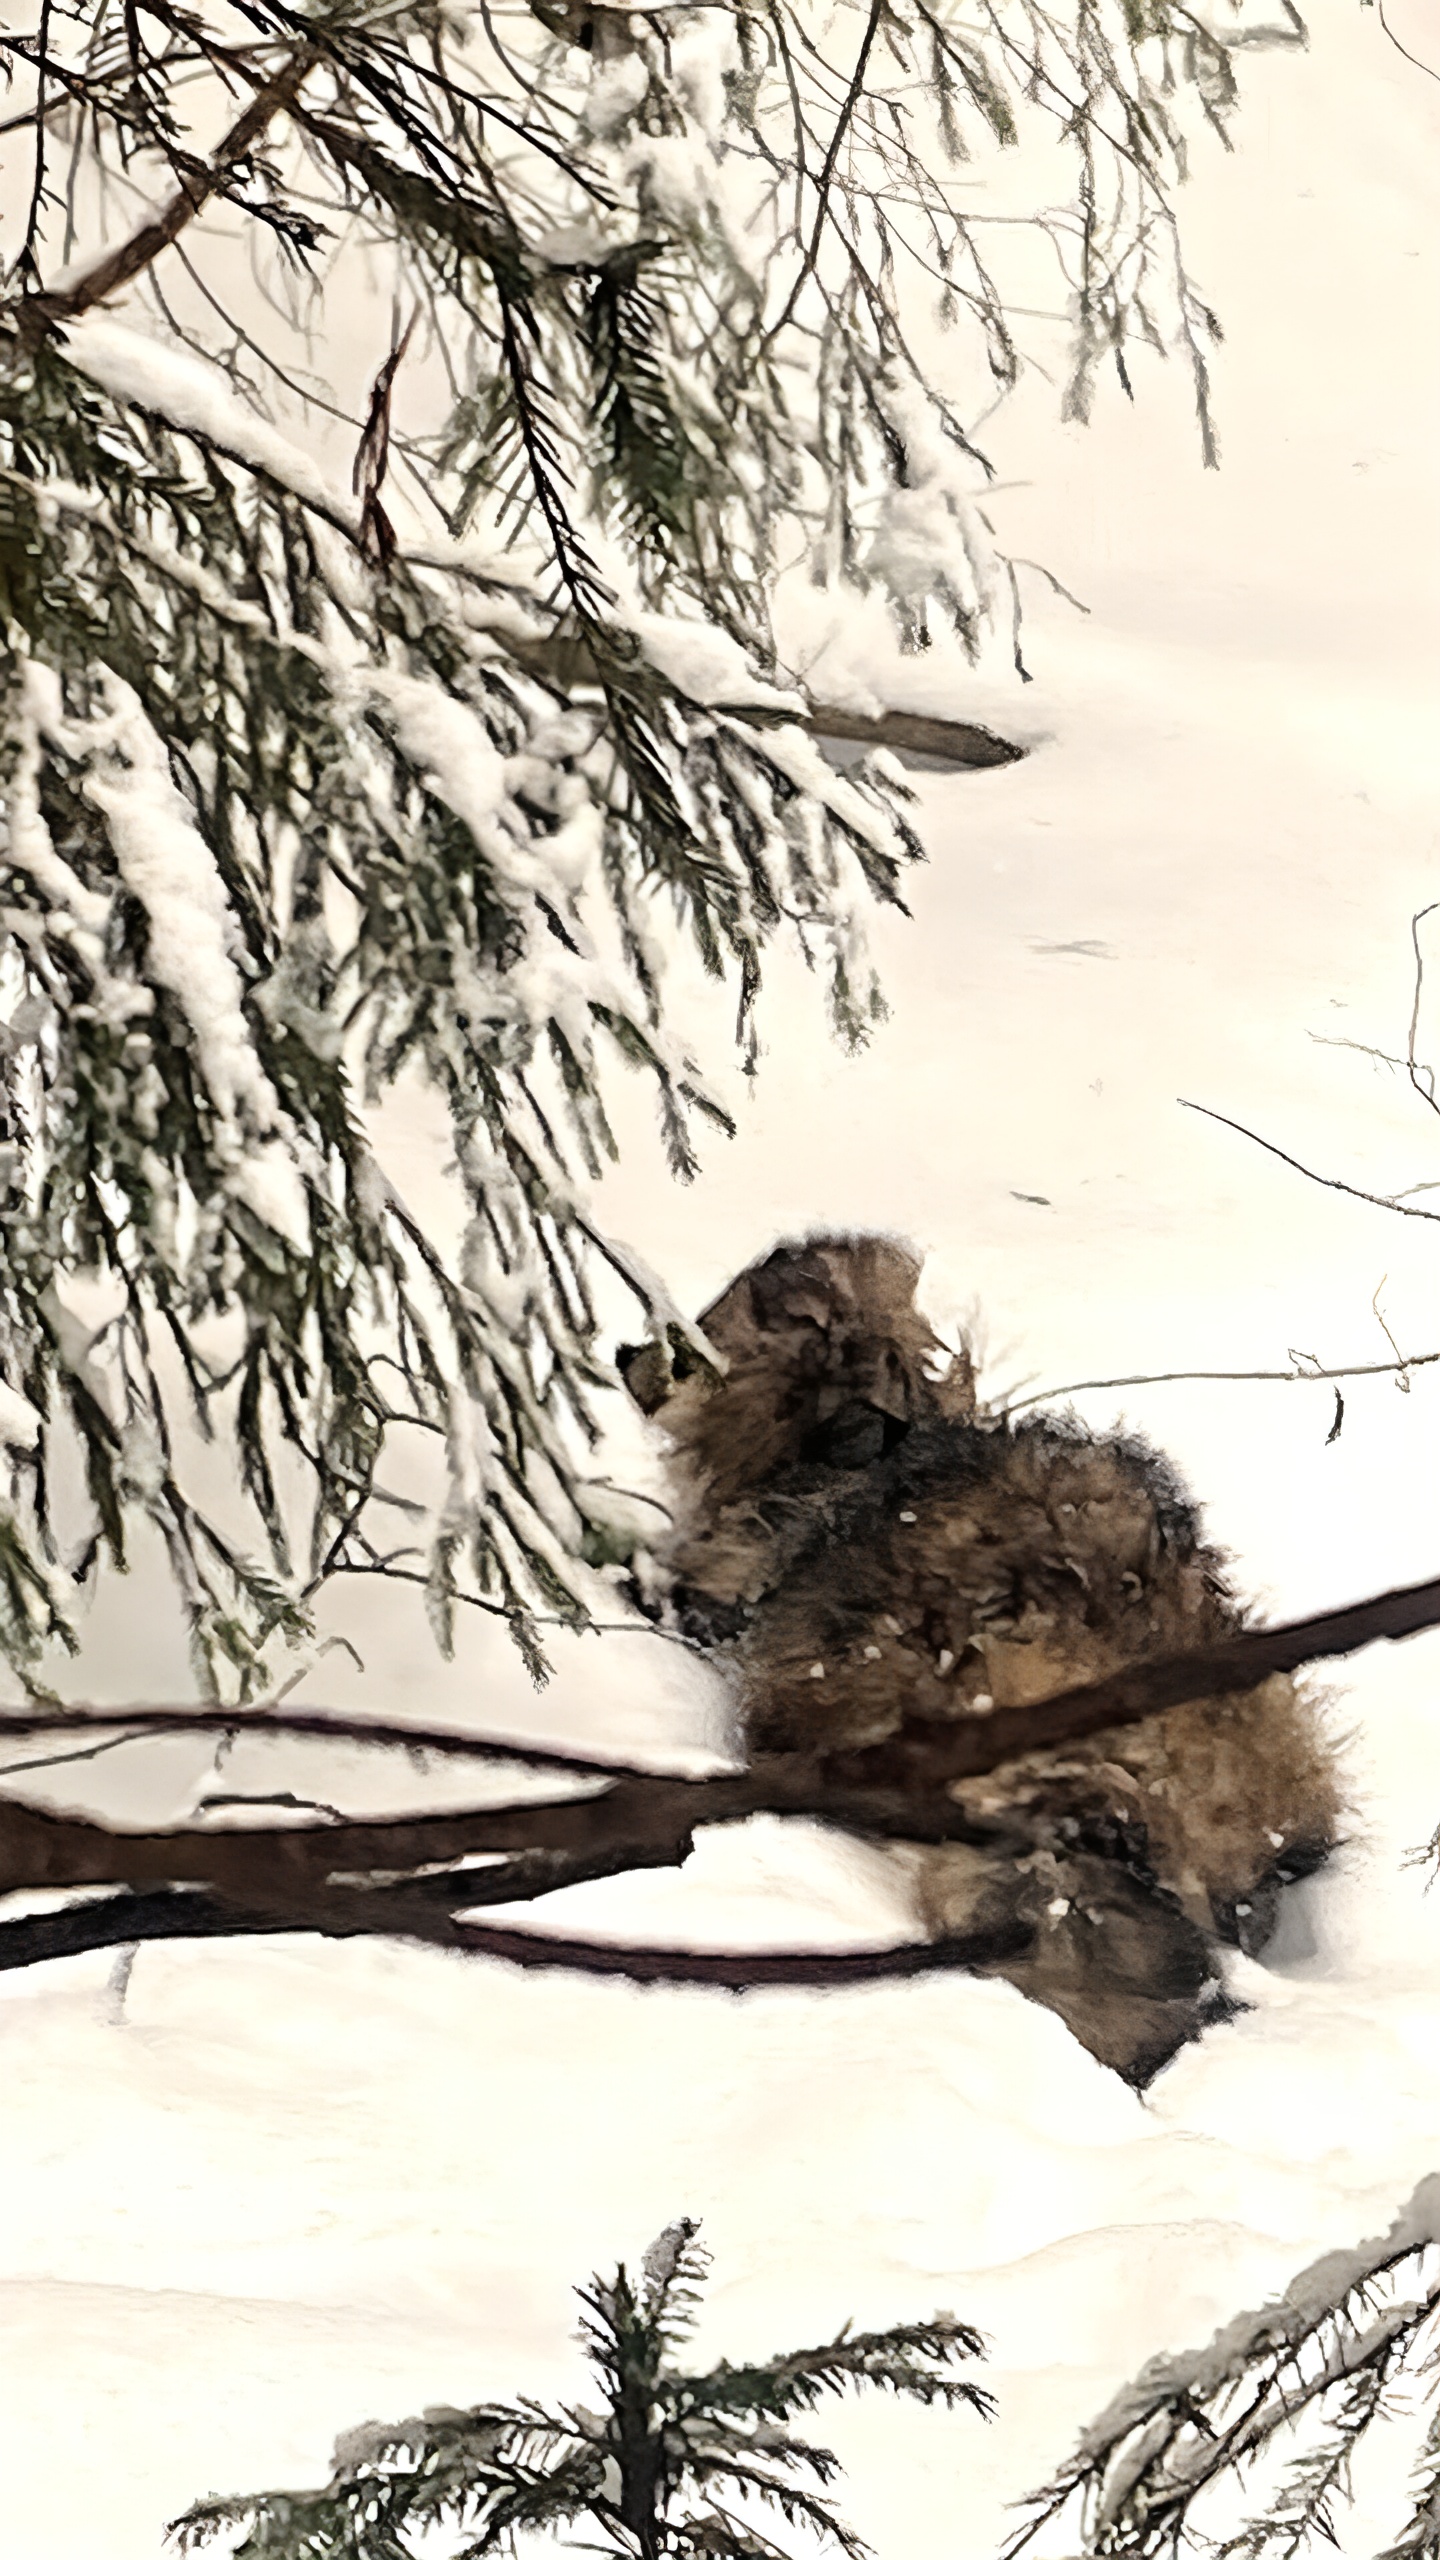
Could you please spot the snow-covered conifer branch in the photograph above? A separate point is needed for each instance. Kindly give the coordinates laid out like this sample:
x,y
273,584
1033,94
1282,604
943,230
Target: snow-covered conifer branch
x,y
1246,2445
305,793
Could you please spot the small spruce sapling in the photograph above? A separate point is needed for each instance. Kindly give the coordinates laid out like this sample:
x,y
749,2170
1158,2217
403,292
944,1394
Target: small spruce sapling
x,y
675,2463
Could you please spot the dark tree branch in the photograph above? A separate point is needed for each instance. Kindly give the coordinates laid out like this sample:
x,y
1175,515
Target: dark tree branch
x,y
400,1878
125,1919
1327,1181
746,1969
120,266
934,1755
563,659
940,1753
822,184
914,733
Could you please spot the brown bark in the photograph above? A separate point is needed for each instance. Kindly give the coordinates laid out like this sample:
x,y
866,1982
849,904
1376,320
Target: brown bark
x,y
120,266
365,1878
937,1754
564,659
915,733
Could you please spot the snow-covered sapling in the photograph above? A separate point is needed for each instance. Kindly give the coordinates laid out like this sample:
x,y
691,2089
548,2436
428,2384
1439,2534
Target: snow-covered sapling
x,y
673,2463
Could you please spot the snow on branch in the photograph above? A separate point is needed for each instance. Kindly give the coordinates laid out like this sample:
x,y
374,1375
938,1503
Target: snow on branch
x,y
1267,2418
672,2461
304,794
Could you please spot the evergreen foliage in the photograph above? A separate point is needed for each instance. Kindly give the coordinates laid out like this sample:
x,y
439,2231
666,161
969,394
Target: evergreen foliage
x,y
676,2463
309,791
1279,2403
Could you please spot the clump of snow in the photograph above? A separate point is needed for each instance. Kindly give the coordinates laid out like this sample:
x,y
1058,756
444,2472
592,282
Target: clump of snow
x,y
928,539
75,1341
706,664
675,181
168,867
1318,2290
617,88
194,397
19,1420
449,743
270,1183
572,244
373,2440
705,48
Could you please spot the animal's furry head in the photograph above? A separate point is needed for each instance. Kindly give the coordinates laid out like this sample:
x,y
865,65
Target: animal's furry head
x,y
827,1358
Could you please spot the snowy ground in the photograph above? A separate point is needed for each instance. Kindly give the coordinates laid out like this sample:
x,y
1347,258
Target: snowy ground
x,y
297,2186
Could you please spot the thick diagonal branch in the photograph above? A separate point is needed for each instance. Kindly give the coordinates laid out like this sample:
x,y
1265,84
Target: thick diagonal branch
x,y
402,1877
120,266
932,1755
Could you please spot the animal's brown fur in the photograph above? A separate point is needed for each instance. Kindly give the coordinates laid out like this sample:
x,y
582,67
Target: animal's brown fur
x,y
868,1546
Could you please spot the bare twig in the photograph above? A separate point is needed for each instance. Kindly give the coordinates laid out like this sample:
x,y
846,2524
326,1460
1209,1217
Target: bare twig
x,y
61,1759
1327,1181
1422,1078
1402,1364
1427,67
316,1724
372,459
827,171
1225,1377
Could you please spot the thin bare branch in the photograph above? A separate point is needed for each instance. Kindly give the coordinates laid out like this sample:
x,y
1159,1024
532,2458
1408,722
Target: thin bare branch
x,y
1327,1181
1421,1077
827,171
318,1724
747,1969
1224,1377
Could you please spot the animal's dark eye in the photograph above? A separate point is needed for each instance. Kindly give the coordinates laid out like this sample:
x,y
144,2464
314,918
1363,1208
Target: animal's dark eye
x,y
856,1436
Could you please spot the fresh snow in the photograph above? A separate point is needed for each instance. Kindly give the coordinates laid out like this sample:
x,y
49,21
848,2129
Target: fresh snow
x,y
296,2187
19,1419
194,397
167,866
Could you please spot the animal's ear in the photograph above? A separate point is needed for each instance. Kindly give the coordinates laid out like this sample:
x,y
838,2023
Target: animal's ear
x,y
653,1370
645,1369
